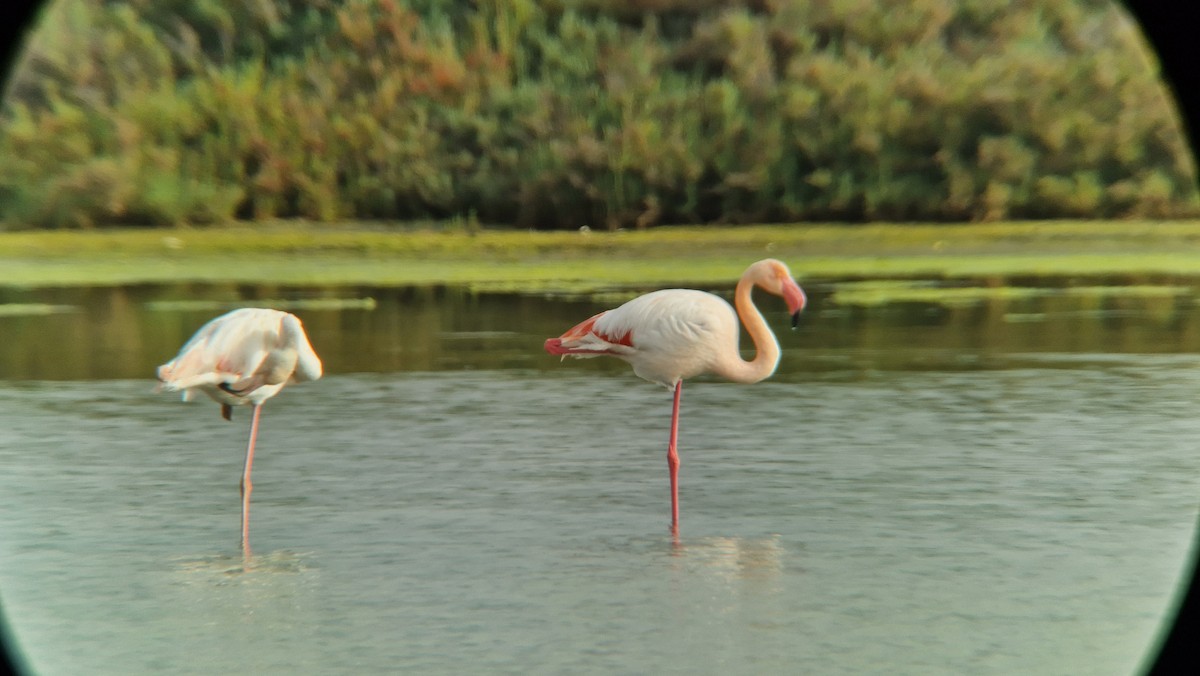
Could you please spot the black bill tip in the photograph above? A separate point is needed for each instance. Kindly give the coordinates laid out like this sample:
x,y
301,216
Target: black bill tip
x,y
230,389
795,320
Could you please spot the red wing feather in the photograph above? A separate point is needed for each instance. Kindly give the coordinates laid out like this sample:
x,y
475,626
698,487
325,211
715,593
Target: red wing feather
x,y
580,332
589,326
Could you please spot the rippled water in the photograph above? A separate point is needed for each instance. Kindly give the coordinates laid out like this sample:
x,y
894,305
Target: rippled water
x,y
904,509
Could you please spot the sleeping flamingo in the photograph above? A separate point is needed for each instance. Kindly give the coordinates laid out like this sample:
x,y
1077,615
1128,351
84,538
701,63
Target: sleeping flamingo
x,y
673,334
243,357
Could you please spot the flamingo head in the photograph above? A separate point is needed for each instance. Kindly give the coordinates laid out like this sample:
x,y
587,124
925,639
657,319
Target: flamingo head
x,y
774,277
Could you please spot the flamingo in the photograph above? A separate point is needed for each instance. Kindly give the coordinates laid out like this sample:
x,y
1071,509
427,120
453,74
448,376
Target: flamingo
x,y
673,334
243,357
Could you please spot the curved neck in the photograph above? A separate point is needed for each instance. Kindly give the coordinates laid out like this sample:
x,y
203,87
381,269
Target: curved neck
x,y
766,347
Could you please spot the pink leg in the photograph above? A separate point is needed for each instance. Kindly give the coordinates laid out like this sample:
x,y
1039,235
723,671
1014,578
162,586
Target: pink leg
x,y
673,460
246,485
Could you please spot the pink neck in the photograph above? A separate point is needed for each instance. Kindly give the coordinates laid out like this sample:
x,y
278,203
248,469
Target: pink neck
x,y
766,347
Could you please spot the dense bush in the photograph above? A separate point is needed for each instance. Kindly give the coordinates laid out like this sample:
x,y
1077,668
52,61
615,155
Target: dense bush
x,y
604,112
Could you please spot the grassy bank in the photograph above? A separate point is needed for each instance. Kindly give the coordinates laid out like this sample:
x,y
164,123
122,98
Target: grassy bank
x,y
368,254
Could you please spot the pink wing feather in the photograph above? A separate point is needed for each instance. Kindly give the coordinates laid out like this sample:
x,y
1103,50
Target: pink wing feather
x,y
585,340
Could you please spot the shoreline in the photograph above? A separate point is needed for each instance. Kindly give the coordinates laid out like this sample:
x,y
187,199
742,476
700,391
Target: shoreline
x,y
449,253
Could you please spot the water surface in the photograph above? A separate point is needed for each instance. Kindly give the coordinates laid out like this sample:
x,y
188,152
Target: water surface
x,y
919,490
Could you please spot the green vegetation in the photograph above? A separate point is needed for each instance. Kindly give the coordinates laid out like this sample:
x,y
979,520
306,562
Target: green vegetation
x,y
530,261
609,113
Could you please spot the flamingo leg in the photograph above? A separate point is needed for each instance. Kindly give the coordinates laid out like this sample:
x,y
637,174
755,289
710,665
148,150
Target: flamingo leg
x,y
246,485
673,459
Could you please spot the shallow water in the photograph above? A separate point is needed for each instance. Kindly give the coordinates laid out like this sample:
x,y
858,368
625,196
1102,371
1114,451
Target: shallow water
x,y
899,508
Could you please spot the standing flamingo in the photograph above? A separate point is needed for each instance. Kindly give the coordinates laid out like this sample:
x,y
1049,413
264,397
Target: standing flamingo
x,y
673,334
243,357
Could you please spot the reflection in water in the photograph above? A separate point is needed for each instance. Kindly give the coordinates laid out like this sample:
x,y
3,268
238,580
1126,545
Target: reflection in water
x,y
733,558
123,332
220,566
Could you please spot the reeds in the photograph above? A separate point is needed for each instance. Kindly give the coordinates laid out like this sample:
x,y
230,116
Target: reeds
x,y
611,114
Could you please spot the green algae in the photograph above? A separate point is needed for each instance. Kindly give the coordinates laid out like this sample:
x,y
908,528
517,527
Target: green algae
x,y
884,292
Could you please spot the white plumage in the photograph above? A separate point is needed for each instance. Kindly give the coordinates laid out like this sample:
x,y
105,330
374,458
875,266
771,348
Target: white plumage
x,y
674,334
243,357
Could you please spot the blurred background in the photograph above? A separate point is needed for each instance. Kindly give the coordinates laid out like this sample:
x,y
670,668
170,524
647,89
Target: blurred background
x,y
608,113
